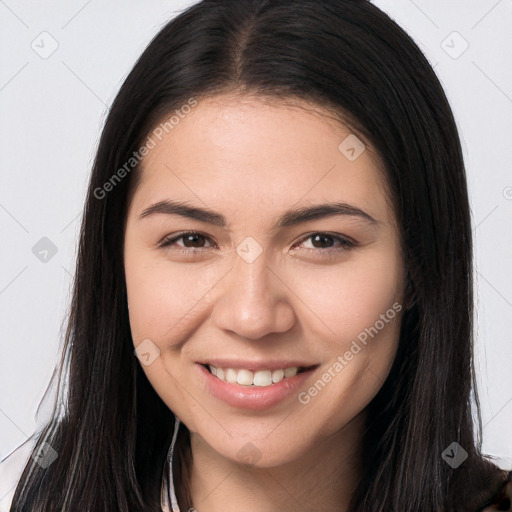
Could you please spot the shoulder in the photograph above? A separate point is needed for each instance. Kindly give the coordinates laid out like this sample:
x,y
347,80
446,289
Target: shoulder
x,y
11,468
502,498
480,485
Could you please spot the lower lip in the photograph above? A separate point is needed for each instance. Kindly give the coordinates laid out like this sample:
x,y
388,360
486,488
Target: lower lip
x,y
253,397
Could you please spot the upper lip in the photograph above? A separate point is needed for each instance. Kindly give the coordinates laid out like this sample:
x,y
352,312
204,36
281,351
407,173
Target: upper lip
x,y
274,364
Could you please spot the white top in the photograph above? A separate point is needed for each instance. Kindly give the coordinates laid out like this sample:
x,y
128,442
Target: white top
x,y
11,468
169,501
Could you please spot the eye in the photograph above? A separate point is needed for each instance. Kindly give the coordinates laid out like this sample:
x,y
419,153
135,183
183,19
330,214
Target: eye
x,y
324,242
191,240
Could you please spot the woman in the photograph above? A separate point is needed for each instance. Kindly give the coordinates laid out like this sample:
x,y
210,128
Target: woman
x,y
273,295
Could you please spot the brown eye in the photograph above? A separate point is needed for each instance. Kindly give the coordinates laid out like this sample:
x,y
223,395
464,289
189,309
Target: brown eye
x,y
322,241
327,242
191,240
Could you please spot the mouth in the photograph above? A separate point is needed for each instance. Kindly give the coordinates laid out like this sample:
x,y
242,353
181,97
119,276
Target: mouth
x,y
262,377
252,385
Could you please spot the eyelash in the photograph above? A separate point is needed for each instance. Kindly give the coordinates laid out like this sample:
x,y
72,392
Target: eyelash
x,y
345,243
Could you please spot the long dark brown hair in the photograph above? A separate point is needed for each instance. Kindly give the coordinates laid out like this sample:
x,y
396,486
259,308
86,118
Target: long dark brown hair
x,y
110,429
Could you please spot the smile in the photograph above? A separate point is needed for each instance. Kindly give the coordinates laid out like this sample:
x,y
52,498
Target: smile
x,y
260,378
255,389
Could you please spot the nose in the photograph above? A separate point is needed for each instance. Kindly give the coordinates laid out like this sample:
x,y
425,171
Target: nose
x,y
253,301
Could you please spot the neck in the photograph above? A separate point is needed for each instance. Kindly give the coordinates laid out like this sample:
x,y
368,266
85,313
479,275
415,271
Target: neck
x,y
322,479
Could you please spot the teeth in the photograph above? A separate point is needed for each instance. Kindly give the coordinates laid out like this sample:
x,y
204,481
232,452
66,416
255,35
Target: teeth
x,y
230,375
262,378
290,372
248,378
277,375
245,377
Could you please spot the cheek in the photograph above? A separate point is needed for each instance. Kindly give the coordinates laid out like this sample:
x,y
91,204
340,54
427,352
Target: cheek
x,y
162,296
163,299
359,312
352,298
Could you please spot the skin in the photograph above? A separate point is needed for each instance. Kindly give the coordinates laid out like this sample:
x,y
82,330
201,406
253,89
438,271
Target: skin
x,y
252,160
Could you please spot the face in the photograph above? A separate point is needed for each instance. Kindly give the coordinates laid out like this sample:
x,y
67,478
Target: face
x,y
230,261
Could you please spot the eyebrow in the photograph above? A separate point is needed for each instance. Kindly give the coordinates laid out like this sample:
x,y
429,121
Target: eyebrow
x,y
289,218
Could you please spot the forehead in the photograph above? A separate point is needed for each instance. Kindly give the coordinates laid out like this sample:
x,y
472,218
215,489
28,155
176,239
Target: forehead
x,y
248,154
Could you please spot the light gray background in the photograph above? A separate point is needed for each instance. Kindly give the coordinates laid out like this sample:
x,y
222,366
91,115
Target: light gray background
x,y
52,110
